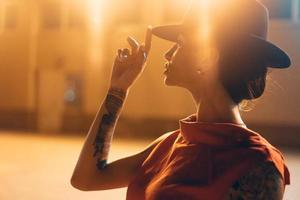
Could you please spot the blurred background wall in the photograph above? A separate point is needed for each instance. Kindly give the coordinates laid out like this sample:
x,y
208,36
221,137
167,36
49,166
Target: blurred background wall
x,y
56,58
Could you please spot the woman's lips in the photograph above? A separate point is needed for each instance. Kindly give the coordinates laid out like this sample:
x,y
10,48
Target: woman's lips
x,y
167,66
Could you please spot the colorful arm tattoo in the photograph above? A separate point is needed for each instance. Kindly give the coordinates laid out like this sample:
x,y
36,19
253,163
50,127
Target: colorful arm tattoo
x,y
263,182
113,104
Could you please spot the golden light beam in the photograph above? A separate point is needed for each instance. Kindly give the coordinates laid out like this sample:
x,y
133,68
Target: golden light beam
x,y
95,10
204,26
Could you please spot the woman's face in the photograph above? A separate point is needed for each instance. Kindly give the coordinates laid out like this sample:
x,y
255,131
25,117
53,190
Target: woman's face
x,y
181,66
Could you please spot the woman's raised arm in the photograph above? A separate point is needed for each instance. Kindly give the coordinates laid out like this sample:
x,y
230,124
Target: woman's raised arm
x,y
92,161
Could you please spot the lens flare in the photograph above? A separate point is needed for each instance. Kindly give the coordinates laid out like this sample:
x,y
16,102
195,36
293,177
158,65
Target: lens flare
x,y
203,33
96,9
205,27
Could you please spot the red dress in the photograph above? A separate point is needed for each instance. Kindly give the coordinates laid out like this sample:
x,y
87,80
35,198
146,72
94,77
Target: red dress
x,y
200,161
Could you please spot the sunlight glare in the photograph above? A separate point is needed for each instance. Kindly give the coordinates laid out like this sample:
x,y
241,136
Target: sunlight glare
x,y
204,27
96,9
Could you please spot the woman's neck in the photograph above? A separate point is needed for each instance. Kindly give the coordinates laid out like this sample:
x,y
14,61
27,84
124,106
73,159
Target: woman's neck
x,y
215,105
209,112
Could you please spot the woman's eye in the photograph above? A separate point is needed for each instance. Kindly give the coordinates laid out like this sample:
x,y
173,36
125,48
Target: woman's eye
x,y
174,48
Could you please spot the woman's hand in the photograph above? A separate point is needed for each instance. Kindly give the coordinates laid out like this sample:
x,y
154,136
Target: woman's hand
x,y
128,65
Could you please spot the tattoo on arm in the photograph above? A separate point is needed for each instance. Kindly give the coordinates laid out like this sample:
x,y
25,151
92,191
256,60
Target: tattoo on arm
x,y
263,182
113,104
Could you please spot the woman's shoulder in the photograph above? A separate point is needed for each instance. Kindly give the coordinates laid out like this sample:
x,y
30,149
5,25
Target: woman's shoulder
x,y
160,145
168,137
264,148
264,181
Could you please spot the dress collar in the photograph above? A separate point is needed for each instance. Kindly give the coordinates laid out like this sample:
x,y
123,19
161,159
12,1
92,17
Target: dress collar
x,y
213,133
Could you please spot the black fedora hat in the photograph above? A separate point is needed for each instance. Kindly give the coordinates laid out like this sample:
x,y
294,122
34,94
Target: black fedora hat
x,y
241,22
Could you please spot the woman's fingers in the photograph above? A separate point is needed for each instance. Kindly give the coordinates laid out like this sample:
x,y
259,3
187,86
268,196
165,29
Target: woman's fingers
x,y
125,52
136,49
148,39
122,54
119,54
134,45
143,53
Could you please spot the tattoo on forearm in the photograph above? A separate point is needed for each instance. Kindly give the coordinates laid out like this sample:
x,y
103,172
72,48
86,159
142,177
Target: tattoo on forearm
x,y
113,103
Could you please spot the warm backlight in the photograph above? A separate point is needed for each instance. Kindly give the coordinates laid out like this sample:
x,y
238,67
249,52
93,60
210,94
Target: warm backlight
x,y
95,11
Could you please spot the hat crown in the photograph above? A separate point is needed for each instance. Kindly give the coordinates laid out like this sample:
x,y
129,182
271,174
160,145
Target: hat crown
x,y
246,16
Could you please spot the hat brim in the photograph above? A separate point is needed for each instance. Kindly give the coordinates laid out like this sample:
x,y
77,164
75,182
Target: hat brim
x,y
274,56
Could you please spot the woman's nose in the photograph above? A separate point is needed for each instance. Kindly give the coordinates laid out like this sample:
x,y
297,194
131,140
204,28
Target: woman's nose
x,y
168,55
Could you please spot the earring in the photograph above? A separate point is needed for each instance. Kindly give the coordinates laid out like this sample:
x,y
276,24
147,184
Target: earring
x,y
199,71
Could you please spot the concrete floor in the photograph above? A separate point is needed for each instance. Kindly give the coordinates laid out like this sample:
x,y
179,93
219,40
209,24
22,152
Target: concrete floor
x,y
39,167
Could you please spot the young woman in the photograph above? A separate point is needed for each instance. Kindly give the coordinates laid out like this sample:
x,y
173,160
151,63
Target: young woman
x,y
221,56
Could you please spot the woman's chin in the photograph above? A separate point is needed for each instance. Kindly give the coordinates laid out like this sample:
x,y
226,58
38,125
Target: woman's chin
x,y
168,81
172,81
